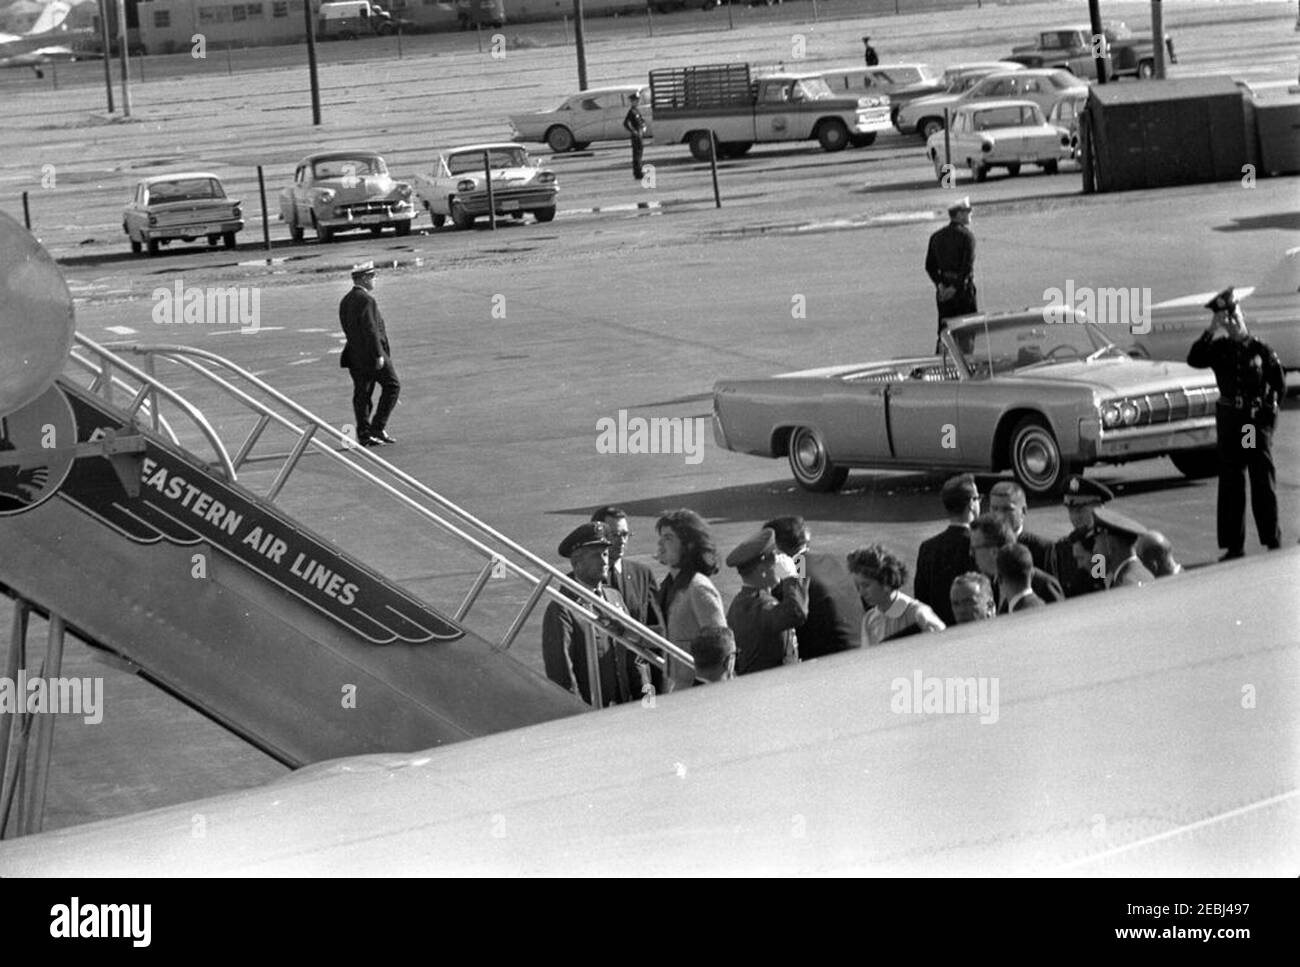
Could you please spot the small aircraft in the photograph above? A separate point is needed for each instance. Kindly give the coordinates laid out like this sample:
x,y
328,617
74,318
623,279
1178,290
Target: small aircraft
x,y
48,40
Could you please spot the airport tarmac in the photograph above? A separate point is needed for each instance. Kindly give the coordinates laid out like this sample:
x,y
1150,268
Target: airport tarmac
x,y
513,344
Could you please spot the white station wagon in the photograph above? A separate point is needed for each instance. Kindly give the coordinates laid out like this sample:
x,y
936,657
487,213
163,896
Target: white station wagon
x,y
1000,134
593,115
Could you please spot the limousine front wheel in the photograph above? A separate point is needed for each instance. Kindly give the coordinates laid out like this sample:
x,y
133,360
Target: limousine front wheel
x,y
1036,457
811,464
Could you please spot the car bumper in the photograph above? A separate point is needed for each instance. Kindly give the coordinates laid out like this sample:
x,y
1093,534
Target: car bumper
x,y
365,220
1147,441
511,200
190,232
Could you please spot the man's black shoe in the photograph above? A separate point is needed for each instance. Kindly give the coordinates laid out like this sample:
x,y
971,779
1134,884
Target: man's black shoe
x,y
370,441
1232,555
381,436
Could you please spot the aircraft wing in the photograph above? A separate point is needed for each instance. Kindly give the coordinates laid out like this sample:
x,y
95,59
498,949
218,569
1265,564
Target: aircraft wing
x,y
1137,734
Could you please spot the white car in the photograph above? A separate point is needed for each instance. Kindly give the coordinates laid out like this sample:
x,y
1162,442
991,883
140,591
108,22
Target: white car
x,y
458,187
1043,86
593,115
1000,134
1065,115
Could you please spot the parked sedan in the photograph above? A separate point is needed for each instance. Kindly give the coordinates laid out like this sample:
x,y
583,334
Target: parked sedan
x,y
1044,87
185,206
1065,115
1008,391
458,188
343,191
592,115
999,134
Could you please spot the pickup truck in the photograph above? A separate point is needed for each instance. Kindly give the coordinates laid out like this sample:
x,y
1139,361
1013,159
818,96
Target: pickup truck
x,y
727,104
1070,47
349,19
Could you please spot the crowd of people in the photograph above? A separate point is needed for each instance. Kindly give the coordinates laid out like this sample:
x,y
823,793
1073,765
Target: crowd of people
x,y
797,604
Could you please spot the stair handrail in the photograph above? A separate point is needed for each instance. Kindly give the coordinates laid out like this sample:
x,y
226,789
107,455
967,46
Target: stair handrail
x,y
555,585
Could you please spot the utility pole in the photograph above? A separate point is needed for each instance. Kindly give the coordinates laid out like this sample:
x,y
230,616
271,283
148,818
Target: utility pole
x,y
1158,36
1099,51
126,70
108,48
311,62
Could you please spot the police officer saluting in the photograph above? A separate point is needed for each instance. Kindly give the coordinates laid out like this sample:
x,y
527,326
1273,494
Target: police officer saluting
x,y
1251,386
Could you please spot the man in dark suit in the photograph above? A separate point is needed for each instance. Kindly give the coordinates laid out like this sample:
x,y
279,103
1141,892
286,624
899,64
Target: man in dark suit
x,y
946,556
367,357
1007,500
988,535
834,621
633,580
1015,572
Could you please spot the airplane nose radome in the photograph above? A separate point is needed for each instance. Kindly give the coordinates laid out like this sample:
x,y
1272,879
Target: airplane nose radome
x,y
36,318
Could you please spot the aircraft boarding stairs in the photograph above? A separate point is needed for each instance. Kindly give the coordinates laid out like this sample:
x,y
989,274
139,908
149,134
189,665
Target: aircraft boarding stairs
x,y
173,537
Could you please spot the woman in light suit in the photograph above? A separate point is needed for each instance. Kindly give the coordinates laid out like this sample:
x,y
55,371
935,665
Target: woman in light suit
x,y
688,600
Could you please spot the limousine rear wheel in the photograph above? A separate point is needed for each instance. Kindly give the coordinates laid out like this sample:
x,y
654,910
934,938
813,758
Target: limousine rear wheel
x,y
1036,457
811,464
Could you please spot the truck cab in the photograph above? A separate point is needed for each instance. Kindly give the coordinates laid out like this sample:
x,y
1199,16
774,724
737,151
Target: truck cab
x,y
349,19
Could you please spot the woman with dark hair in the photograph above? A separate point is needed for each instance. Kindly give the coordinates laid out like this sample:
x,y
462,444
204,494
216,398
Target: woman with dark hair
x,y
879,574
688,600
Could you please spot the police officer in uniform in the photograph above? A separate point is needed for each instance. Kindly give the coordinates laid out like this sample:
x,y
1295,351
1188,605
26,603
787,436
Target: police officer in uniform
x,y
1082,498
763,626
950,264
1251,386
634,124
1115,536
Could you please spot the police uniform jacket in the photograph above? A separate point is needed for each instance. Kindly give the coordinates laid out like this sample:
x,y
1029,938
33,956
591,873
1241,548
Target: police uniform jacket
x,y
564,654
363,325
950,258
1249,374
762,624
